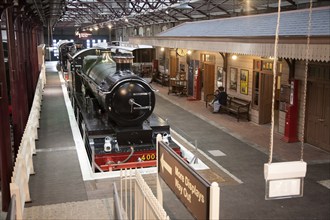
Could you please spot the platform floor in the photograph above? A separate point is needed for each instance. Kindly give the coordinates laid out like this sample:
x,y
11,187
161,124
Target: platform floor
x,y
234,151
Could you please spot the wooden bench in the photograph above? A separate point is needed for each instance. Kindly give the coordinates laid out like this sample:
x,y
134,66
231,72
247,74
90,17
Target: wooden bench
x,y
238,106
234,105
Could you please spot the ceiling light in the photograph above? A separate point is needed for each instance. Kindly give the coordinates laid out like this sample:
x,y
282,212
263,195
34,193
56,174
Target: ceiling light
x,y
91,29
96,28
109,26
183,6
234,57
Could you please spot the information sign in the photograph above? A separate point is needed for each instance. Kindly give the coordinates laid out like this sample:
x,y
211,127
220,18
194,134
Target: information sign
x,y
191,188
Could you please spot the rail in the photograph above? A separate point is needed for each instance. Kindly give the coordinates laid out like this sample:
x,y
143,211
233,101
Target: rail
x,y
11,215
118,210
19,186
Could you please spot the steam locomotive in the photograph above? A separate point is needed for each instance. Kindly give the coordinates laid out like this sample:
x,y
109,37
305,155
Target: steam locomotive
x,y
114,110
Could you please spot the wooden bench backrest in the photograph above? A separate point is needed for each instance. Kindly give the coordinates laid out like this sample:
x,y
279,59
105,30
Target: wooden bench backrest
x,y
238,101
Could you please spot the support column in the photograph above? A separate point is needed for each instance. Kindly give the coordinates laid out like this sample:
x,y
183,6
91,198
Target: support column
x,y
21,52
27,73
34,57
6,163
14,81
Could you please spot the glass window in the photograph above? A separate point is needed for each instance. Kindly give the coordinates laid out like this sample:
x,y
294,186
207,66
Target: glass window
x,y
255,96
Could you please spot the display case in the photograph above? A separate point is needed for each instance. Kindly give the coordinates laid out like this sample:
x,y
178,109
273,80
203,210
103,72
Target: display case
x,y
178,87
162,78
284,98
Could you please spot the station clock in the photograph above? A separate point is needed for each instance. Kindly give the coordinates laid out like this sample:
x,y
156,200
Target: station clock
x,y
181,52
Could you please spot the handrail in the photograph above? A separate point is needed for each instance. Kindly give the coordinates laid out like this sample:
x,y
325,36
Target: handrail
x,y
11,215
19,185
117,204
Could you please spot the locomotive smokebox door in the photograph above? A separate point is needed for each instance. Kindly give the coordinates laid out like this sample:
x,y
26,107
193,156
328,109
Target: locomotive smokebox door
x,y
132,102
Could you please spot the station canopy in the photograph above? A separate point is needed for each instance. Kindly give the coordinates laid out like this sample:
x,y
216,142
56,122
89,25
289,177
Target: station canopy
x,y
253,35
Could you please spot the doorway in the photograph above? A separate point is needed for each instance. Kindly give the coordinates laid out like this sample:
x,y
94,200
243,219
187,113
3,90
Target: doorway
x,y
265,98
173,66
318,107
208,79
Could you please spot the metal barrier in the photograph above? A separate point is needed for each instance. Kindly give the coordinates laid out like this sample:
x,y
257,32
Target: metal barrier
x,y
11,215
19,186
119,213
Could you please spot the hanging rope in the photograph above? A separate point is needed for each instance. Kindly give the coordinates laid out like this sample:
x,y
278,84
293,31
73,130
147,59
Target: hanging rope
x,y
271,147
305,81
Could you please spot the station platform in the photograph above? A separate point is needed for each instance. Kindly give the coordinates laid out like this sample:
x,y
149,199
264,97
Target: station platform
x,y
234,151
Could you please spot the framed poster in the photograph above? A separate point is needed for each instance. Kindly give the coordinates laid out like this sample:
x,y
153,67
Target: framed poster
x,y
219,76
233,78
244,81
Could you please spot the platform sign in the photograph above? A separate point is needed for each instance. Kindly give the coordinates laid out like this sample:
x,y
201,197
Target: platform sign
x,y
284,179
191,188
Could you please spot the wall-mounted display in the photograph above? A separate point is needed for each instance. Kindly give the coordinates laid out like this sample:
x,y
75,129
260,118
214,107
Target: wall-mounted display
x,y
233,78
219,76
244,81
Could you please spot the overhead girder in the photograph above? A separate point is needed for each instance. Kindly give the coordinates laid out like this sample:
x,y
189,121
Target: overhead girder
x,y
184,14
217,6
168,15
100,11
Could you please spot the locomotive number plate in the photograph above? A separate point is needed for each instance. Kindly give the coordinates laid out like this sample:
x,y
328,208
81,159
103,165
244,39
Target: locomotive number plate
x,y
148,157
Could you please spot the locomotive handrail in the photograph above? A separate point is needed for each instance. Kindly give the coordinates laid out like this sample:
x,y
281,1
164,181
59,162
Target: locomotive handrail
x,y
123,81
142,107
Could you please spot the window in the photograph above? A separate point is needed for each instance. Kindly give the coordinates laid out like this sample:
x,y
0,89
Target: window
x,y
261,69
255,92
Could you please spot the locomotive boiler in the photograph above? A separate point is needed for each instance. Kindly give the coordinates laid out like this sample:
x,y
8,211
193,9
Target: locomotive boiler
x,y
114,110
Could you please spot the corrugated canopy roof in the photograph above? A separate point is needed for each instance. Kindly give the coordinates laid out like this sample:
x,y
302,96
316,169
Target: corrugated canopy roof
x,y
253,35
292,23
